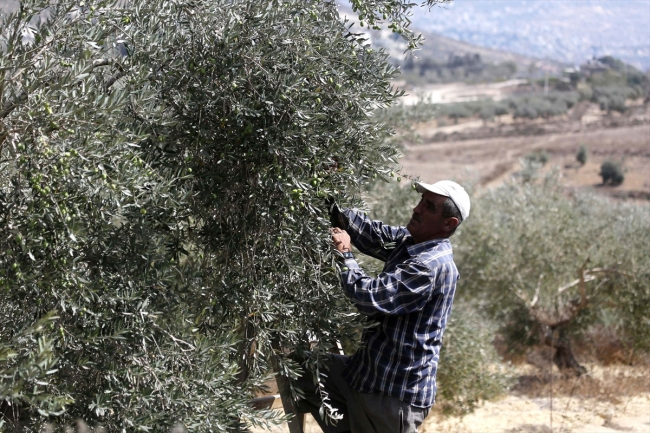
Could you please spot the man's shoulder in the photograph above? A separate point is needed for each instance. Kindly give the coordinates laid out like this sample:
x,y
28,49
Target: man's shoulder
x,y
433,253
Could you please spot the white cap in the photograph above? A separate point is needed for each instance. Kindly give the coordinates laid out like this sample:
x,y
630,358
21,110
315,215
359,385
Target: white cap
x,y
449,189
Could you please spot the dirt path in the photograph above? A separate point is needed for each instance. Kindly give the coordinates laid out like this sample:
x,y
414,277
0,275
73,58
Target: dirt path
x,y
458,92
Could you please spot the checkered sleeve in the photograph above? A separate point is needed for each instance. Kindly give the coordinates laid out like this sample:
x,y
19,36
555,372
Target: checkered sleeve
x,y
405,290
373,238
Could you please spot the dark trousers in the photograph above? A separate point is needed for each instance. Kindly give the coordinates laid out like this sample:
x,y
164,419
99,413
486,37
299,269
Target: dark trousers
x,y
362,412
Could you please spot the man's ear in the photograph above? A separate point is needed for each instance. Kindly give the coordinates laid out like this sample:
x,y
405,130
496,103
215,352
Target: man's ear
x,y
450,224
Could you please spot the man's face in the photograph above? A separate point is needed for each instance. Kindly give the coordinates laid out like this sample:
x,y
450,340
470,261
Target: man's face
x,y
427,222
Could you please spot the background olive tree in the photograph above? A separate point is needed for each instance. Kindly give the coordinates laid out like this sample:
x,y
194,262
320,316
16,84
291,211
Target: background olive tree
x,y
582,154
548,265
164,170
612,173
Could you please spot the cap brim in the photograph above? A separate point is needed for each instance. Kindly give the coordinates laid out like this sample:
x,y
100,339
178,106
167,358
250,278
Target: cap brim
x,y
422,187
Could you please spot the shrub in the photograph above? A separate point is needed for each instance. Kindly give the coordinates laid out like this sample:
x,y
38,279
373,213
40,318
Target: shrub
x,y
581,156
525,244
526,110
531,107
539,157
470,368
612,98
456,111
612,173
553,104
501,108
585,91
487,112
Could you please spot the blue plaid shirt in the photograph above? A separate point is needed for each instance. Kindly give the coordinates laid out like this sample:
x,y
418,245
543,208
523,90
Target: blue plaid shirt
x,y
410,302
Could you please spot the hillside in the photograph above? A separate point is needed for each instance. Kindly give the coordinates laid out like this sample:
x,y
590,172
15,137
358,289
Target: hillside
x,y
440,47
457,61
568,31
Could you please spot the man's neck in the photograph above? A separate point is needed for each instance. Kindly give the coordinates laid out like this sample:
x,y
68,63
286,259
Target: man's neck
x,y
430,238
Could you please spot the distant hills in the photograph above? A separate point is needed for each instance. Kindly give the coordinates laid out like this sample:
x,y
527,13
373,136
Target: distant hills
x,y
569,31
441,49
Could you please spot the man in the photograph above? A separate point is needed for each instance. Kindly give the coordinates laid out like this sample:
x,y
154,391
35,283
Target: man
x,y
389,384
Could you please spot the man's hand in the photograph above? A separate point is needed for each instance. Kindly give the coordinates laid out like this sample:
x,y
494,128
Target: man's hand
x,y
341,240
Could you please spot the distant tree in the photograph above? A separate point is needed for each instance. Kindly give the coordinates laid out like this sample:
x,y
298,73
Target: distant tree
x,y
426,65
526,110
612,173
511,67
487,112
539,157
612,98
501,108
408,64
613,62
612,87
581,156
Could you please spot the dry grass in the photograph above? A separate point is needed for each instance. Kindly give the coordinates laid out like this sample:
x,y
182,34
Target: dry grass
x,y
608,384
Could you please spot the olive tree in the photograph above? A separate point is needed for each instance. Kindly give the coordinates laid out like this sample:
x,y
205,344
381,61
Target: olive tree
x,y
547,264
612,173
165,168
582,154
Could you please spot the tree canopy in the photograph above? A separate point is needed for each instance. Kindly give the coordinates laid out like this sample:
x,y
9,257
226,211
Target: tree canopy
x,y
164,173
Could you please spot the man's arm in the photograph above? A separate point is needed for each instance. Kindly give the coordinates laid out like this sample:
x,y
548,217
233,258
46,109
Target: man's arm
x,y
373,238
405,290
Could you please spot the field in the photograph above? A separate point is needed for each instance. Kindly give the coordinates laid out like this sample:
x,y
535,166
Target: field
x,y
486,154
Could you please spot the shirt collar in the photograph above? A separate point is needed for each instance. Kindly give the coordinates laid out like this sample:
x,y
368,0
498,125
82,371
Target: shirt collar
x,y
415,249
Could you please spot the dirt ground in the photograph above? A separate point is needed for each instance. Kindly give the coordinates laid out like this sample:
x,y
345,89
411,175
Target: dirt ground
x,y
609,399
